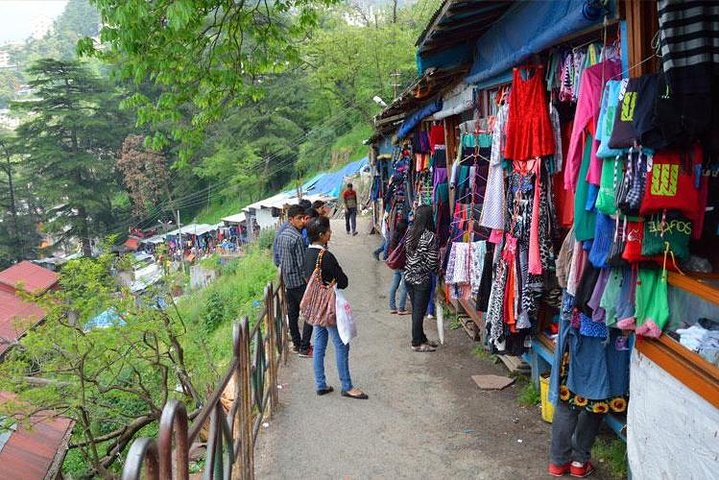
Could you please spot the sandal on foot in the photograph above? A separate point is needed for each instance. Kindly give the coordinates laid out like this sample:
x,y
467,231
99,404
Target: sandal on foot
x,y
325,391
403,312
393,312
360,396
432,343
423,348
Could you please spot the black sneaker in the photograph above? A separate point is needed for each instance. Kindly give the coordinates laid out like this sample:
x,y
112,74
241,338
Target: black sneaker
x,y
307,354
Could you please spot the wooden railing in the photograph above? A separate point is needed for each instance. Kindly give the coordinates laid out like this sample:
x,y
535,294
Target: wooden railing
x,y
258,352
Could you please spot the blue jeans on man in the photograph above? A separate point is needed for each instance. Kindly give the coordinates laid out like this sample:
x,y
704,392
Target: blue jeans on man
x,y
342,353
351,220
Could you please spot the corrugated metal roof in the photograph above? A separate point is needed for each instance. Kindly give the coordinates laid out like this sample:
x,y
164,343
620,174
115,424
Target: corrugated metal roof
x,y
16,318
35,454
33,277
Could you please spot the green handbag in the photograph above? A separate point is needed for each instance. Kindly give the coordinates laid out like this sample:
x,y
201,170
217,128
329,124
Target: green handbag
x,y
663,230
611,178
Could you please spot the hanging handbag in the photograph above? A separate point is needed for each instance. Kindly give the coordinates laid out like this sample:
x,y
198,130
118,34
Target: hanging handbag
x,y
319,301
674,182
631,189
397,259
667,231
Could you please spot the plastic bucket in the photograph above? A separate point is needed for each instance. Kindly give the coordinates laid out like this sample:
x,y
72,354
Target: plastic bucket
x,y
547,407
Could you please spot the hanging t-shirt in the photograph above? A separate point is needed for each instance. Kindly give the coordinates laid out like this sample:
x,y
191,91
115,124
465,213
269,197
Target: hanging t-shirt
x,y
585,119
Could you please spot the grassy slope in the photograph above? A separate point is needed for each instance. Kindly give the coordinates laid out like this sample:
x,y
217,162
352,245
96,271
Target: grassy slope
x,y
351,141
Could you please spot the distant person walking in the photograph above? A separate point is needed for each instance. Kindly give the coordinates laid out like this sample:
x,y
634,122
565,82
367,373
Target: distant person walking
x,y
317,254
350,200
291,253
422,261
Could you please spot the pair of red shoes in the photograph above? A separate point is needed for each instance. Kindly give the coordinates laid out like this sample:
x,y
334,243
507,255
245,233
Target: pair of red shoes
x,y
575,469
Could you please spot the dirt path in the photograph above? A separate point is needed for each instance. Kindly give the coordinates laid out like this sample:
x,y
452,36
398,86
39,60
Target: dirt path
x,y
425,417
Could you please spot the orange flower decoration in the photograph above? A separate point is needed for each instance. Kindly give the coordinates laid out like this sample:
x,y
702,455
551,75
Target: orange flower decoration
x,y
618,404
580,401
600,407
563,393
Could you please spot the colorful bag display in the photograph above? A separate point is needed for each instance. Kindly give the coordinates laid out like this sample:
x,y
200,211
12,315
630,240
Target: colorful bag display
x,y
319,302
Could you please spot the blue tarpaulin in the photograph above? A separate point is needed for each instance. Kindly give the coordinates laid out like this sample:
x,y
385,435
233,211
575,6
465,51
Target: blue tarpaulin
x,y
416,117
330,184
528,28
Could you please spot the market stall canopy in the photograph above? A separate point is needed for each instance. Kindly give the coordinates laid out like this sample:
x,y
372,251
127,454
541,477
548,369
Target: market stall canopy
x,y
276,201
424,90
527,28
236,218
447,41
191,229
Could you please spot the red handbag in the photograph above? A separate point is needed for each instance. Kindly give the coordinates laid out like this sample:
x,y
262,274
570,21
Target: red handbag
x,y
675,183
398,257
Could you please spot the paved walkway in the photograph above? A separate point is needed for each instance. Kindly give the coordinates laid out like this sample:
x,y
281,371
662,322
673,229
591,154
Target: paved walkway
x,y
425,417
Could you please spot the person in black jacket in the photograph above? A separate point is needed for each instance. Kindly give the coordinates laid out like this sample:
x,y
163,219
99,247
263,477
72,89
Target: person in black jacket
x,y
320,234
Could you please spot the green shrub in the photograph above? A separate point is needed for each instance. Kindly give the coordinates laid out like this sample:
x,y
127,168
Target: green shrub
x,y
214,313
529,395
266,239
612,453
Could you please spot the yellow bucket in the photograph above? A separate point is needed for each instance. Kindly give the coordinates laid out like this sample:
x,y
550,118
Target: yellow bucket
x,y
547,407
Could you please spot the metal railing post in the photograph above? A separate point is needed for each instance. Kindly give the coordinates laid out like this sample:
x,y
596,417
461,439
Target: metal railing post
x,y
271,348
245,365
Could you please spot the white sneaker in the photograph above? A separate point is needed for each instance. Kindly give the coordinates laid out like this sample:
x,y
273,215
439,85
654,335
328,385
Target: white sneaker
x,y
430,316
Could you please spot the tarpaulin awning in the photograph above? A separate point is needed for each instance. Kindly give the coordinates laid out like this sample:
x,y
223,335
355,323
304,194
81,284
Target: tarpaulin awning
x,y
527,28
329,185
459,99
236,218
414,119
447,40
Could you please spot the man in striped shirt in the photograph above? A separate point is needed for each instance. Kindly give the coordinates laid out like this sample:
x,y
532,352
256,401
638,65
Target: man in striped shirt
x,y
291,253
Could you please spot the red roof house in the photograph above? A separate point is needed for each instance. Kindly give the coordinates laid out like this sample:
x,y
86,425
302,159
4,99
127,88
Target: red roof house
x,y
34,453
34,278
16,315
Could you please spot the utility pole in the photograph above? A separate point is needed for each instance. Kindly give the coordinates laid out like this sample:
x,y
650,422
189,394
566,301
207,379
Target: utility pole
x,y
179,241
395,83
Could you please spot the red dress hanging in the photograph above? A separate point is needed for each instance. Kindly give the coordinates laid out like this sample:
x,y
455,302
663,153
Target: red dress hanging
x,y
529,129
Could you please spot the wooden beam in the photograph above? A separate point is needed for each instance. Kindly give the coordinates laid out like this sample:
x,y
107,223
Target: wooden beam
x,y
642,25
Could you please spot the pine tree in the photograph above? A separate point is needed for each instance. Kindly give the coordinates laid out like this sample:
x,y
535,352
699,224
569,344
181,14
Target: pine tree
x,y
70,140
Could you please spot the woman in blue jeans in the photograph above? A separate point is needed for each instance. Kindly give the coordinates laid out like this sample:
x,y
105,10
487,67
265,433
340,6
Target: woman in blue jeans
x,y
398,284
320,233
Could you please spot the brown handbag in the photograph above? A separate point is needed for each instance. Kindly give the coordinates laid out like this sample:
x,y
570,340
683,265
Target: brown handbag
x,y
318,303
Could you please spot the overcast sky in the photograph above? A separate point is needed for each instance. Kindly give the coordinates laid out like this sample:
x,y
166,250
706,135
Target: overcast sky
x,y
17,16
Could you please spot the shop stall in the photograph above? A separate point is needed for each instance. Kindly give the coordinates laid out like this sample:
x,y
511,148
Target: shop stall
x,y
573,171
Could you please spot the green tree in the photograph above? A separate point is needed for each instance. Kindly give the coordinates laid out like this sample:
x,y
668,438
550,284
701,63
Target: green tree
x,y
70,141
112,381
209,55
